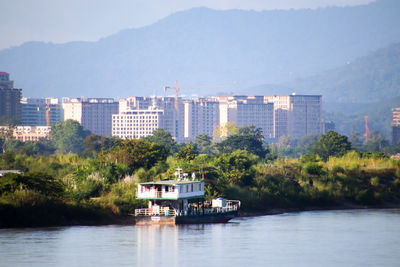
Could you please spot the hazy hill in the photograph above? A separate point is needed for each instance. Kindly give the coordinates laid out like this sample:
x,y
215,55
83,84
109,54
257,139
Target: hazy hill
x,y
371,78
205,47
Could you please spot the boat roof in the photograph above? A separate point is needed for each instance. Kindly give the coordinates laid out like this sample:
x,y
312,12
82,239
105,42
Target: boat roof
x,y
171,182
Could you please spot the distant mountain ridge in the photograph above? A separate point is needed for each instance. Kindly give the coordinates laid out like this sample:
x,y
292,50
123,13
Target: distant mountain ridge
x,y
368,79
205,47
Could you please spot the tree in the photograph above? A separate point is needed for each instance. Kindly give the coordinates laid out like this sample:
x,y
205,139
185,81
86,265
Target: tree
x,y
376,142
94,143
236,167
355,140
248,138
164,138
331,144
203,143
68,136
188,152
136,153
227,129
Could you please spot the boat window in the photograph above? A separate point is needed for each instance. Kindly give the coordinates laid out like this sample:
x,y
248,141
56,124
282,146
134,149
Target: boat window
x,y
191,187
171,189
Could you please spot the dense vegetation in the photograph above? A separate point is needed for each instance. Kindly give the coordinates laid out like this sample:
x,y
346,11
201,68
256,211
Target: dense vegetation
x,y
98,185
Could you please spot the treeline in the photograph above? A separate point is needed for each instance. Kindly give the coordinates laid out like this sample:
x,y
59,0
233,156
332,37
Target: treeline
x,y
78,177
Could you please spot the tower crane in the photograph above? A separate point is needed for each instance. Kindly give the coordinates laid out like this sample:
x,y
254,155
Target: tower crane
x,y
366,129
176,90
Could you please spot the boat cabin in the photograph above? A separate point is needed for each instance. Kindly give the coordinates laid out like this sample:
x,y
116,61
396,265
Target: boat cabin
x,y
171,197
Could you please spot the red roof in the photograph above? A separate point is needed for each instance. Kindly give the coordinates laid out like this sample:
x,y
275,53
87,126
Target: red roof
x,y
2,72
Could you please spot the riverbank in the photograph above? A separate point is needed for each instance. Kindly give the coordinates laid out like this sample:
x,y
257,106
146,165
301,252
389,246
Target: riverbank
x,y
73,216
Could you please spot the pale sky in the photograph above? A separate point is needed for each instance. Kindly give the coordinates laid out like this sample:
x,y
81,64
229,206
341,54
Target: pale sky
x,y
61,21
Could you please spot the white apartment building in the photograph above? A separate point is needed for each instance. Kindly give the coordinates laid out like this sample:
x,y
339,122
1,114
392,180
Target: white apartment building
x,y
137,123
201,117
296,115
94,114
172,119
246,111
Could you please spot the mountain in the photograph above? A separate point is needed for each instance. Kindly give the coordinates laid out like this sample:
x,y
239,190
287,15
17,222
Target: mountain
x,y
205,47
368,79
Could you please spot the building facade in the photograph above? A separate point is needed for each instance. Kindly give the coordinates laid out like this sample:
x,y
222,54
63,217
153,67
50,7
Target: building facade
x,y
137,123
246,111
395,125
41,111
296,115
173,115
30,133
201,117
94,114
10,98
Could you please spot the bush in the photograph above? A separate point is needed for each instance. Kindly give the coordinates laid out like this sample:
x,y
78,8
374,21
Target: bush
x,y
312,168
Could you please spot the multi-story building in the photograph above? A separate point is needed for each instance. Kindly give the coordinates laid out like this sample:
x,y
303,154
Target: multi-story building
x,y
94,114
41,111
296,115
173,115
137,123
201,116
10,97
396,125
31,133
246,111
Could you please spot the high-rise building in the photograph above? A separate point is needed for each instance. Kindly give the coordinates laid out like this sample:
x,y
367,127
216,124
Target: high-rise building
x,y
296,115
396,125
246,111
94,114
10,97
36,110
172,119
201,116
137,123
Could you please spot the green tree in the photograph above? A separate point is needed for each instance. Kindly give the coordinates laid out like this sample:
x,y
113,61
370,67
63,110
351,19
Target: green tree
x,y
356,141
94,143
331,144
227,129
135,153
163,138
188,152
237,167
203,143
249,139
376,142
68,136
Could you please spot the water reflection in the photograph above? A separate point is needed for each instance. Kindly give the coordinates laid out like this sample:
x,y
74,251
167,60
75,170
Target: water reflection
x,y
328,238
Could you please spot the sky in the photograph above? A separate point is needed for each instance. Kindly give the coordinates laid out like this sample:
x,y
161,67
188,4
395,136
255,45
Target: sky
x,y
61,21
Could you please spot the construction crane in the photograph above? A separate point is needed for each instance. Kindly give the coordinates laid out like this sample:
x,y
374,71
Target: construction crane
x,y
48,108
176,90
366,129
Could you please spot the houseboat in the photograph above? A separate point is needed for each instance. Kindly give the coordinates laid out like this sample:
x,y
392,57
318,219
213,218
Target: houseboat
x,y
181,201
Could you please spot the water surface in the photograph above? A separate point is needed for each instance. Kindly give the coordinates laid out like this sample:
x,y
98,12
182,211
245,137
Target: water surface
x,y
317,238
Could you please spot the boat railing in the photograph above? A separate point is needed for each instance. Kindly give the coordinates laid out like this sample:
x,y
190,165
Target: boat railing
x,y
155,212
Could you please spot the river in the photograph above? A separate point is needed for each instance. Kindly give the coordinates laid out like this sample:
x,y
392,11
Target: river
x,y
316,238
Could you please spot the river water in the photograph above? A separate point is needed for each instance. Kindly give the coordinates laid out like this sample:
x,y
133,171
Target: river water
x,y
317,238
